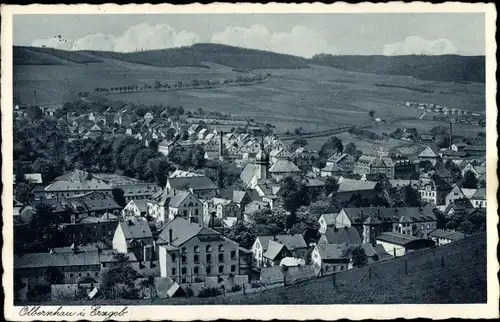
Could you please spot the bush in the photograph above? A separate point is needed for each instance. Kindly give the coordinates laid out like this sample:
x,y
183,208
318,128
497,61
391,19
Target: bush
x,y
236,288
39,293
209,292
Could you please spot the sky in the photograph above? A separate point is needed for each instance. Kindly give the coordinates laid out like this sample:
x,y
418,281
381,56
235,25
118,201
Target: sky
x,y
296,34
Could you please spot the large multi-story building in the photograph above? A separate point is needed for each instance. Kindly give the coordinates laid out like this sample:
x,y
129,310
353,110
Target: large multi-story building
x,y
189,252
368,164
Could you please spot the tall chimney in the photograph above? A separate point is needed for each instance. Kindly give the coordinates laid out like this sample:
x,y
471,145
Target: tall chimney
x,y
451,135
221,144
170,237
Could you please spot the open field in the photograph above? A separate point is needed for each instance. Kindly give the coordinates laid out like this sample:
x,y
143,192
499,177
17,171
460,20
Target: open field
x,y
315,98
461,280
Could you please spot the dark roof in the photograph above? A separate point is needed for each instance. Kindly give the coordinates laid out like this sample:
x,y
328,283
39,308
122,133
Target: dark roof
x,y
61,259
176,200
447,234
389,214
182,231
397,238
334,235
136,229
196,183
291,242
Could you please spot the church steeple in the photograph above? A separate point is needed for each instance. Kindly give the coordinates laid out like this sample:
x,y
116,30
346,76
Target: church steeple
x,y
261,162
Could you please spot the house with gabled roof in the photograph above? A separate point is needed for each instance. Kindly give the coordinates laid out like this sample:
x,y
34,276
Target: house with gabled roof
x,y
295,244
443,237
458,206
190,252
201,186
157,206
283,168
457,193
334,235
134,237
428,154
186,205
274,254
367,164
478,200
325,221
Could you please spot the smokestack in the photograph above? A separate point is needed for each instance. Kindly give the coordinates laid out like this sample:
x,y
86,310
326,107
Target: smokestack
x,y
451,135
221,144
170,237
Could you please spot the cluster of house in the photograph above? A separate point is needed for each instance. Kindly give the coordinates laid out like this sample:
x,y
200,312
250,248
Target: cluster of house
x,y
178,232
471,117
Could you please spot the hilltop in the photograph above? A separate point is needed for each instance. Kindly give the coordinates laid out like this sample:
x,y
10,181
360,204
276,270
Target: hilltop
x,y
194,55
451,68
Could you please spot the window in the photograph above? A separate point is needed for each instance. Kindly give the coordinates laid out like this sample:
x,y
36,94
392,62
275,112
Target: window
x,y
173,257
208,248
196,249
233,268
183,250
196,270
88,274
233,254
221,248
96,274
173,271
184,213
183,280
209,258
428,226
221,269
196,258
341,268
70,275
221,257
183,271
80,274
196,211
184,259
208,270
422,226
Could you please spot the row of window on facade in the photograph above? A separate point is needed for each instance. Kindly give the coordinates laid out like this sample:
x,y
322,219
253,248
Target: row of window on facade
x,y
208,257
71,275
427,194
208,249
208,270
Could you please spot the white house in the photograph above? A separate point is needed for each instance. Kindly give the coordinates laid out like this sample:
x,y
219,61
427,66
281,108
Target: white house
x,y
325,221
134,208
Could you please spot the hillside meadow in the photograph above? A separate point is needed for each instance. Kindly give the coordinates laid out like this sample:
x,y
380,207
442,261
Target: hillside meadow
x,y
315,98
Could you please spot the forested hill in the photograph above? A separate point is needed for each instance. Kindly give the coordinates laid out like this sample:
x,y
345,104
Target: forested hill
x,y
435,68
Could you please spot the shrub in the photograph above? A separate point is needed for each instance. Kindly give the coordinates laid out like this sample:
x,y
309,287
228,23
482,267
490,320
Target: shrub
x,y
209,292
236,288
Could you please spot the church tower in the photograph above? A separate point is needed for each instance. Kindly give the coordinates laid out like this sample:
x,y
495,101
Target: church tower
x,y
261,162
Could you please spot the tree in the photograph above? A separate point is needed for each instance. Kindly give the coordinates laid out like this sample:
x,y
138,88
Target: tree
x,y
350,149
469,180
243,233
371,113
442,140
441,220
293,194
119,197
359,257
411,197
120,272
425,166
23,193
331,146
331,186
298,143
53,275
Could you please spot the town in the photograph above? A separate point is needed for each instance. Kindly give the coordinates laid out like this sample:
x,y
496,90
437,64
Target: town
x,y
123,201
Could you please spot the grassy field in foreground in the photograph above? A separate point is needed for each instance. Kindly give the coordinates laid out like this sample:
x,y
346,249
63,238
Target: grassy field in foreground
x,y
462,280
